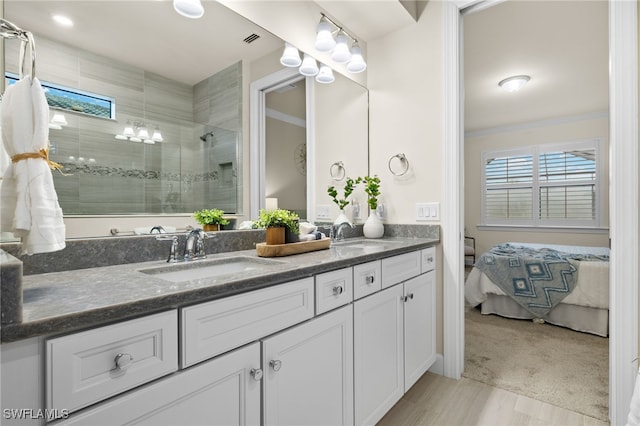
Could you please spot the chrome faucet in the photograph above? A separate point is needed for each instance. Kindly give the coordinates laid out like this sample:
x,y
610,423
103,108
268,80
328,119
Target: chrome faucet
x,y
336,233
193,247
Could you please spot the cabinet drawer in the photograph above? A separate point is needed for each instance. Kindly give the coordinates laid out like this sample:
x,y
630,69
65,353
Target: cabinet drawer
x,y
367,279
81,369
333,289
428,259
209,329
400,268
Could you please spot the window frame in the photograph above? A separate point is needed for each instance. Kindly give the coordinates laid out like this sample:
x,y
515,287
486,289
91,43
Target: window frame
x,y
535,151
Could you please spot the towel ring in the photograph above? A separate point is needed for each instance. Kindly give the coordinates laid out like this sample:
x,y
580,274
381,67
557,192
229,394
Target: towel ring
x,y
337,171
403,161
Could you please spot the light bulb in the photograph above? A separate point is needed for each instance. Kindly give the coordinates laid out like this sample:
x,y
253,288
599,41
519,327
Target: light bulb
x,y
325,75
341,52
357,63
309,66
290,57
324,39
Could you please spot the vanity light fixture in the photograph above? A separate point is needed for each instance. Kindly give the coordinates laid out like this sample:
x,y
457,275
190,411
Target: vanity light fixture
x,y
325,75
57,121
189,8
291,56
309,66
324,36
339,46
515,83
139,132
357,63
341,53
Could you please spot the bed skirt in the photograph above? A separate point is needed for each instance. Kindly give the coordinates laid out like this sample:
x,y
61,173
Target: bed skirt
x,y
575,317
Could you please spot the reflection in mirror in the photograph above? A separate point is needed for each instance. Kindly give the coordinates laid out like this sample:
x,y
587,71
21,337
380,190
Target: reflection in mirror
x,y
184,77
158,82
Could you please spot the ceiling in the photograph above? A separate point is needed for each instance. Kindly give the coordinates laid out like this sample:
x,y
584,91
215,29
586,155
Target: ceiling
x,y
562,45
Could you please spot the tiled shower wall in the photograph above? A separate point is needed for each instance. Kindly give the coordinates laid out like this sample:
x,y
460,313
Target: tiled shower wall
x,y
110,176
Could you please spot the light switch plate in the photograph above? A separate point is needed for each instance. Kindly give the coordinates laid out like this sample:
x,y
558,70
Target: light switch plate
x,y
427,212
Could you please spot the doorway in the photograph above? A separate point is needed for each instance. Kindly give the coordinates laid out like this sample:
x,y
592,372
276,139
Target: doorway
x,y
623,30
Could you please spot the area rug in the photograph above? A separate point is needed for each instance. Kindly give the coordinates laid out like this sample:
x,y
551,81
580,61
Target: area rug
x,y
553,364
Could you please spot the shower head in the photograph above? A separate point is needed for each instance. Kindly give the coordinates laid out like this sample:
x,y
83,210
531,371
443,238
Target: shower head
x,y
205,137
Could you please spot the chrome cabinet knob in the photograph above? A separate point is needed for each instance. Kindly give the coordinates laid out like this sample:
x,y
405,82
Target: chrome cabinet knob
x,y
338,290
122,361
370,279
276,364
256,374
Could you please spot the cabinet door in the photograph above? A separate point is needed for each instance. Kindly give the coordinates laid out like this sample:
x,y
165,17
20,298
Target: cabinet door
x,y
218,392
308,372
378,354
419,326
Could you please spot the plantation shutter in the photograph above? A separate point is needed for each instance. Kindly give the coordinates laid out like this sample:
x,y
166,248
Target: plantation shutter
x,y
508,194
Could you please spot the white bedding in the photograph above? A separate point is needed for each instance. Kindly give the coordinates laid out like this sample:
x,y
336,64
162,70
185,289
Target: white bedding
x,y
591,289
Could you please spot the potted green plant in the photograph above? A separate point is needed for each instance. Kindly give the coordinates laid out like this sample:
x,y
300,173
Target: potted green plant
x,y
276,222
373,227
210,219
342,202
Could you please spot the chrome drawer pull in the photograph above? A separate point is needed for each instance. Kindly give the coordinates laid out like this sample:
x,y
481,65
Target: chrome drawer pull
x,y
370,279
337,290
276,364
256,374
122,361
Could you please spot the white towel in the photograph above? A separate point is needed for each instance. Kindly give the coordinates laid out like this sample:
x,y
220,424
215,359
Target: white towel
x,y
29,206
634,412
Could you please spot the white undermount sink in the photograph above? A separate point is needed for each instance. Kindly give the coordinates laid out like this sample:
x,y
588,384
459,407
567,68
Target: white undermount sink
x,y
201,269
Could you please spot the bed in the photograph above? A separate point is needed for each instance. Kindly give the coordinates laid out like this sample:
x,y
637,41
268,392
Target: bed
x,y
563,285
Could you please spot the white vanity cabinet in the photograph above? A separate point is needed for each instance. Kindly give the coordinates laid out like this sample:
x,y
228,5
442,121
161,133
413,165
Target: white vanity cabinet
x,y
308,372
394,338
222,391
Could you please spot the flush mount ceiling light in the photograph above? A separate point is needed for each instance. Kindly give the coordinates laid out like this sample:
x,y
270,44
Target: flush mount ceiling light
x,y
290,57
515,83
189,8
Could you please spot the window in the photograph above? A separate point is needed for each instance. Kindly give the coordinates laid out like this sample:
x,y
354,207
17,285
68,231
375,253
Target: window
x,y
543,185
69,99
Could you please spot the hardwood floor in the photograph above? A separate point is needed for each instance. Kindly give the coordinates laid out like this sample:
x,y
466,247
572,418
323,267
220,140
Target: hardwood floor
x,y
437,400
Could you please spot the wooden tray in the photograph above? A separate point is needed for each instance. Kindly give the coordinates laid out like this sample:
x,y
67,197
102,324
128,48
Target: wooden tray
x,y
275,250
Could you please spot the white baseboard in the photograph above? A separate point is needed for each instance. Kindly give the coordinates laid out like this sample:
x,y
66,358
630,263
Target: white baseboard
x,y
438,366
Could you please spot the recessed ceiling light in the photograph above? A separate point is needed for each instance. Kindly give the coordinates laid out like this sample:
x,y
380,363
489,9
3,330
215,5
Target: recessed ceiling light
x,y
62,20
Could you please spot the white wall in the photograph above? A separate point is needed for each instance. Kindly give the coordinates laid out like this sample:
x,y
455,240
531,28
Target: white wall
x,y
578,128
406,116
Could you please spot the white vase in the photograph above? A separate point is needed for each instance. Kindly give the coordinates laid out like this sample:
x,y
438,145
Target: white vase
x,y
342,218
373,227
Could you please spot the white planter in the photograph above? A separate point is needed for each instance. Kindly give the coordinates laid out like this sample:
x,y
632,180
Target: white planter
x,y
373,227
342,218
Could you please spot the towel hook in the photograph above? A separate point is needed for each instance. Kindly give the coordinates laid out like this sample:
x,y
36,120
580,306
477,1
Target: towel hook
x,y
403,161
337,171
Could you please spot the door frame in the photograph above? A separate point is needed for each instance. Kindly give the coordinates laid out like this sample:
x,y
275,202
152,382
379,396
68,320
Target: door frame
x,y
623,204
257,135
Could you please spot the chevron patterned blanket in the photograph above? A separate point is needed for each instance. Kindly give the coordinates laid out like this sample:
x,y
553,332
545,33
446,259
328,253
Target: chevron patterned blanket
x,y
537,279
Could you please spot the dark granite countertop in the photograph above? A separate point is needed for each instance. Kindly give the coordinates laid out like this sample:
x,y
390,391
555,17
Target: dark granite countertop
x,y
61,302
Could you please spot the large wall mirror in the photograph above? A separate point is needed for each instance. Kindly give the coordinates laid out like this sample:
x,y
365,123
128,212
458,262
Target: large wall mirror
x,y
186,78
